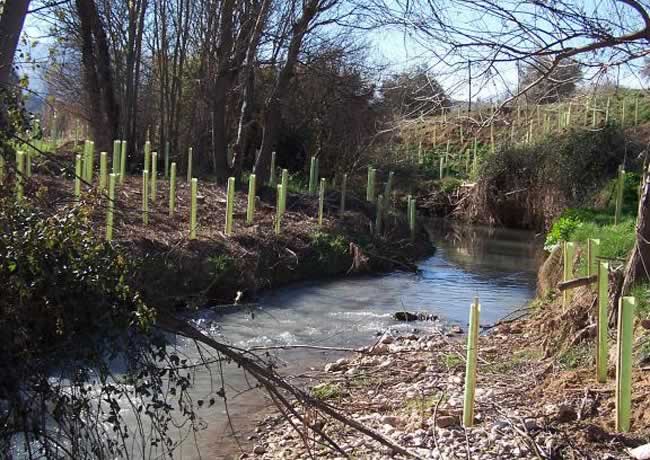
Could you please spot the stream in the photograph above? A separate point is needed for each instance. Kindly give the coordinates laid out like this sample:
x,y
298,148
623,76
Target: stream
x,y
497,265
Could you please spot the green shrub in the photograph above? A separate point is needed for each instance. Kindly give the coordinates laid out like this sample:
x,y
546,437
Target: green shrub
x,y
562,230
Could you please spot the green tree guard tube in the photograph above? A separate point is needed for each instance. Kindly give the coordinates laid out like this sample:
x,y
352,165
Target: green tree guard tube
x,y
20,172
154,176
272,171
344,184
122,161
321,201
111,206
250,208
103,170
189,164
147,156
626,307
172,189
77,176
193,190
145,197
312,176
278,209
285,189
90,161
470,369
230,205
117,152
593,252
602,354
370,191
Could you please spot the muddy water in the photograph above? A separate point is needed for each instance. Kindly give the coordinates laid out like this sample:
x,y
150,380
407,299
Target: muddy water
x,y
499,266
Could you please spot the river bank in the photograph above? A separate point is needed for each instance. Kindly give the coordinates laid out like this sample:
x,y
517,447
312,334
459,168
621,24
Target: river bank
x,y
174,271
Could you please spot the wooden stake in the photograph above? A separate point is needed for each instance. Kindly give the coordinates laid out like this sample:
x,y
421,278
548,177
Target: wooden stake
x,y
569,253
626,307
470,368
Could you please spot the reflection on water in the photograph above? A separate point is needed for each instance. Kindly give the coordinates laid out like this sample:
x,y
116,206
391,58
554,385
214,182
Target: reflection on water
x,y
497,265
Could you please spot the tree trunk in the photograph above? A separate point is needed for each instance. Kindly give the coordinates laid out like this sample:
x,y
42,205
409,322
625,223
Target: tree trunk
x,y
638,267
98,75
11,25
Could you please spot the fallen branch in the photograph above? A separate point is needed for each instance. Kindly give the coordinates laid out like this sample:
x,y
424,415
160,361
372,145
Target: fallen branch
x,y
577,282
273,383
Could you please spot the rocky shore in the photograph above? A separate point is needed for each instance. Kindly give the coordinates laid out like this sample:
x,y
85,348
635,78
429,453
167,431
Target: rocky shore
x,y
409,389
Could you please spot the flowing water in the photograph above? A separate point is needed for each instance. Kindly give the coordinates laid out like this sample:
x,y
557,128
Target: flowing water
x,y
499,266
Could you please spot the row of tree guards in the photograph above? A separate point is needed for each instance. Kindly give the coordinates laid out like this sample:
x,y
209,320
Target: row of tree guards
x,y
534,126
108,181
624,344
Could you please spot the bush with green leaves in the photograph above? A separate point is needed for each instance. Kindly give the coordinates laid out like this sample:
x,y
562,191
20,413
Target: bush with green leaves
x,y
67,314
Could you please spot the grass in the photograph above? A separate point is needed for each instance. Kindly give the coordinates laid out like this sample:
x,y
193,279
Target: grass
x,y
576,357
451,360
326,391
642,294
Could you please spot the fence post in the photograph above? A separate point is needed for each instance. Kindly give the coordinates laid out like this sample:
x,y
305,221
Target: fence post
x,y
193,189
278,209
593,251
602,353
103,169
111,206
189,164
344,184
620,185
230,205
250,208
172,189
122,161
145,197
626,307
321,201
470,369
272,172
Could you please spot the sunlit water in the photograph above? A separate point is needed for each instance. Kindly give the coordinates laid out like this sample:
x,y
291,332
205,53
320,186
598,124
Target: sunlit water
x,y
499,266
